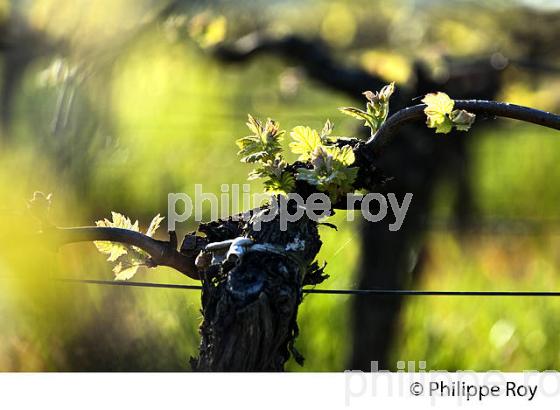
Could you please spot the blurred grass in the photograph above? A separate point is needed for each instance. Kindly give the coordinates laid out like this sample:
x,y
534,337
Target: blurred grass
x,y
477,333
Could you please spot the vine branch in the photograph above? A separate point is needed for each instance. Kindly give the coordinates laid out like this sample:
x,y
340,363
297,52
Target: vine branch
x,y
312,55
479,107
165,253
162,253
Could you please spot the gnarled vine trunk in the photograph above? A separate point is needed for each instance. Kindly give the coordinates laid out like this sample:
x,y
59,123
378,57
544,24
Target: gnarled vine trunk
x,y
250,300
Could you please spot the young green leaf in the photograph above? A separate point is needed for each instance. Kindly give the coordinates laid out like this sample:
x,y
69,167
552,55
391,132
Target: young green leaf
x,y
113,249
305,140
128,258
462,119
282,184
358,114
125,273
441,116
438,108
264,144
344,155
331,172
326,131
269,169
154,225
377,108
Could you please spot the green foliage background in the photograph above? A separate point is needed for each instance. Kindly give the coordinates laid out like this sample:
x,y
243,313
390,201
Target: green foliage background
x,y
158,115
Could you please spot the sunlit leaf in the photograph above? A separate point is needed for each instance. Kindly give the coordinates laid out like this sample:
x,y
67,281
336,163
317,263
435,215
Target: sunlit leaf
x,y
254,124
114,249
125,273
128,258
441,116
154,225
345,155
264,145
438,108
377,108
326,131
330,172
305,140
356,113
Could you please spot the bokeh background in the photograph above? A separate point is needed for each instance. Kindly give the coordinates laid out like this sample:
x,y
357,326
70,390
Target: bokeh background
x,y
112,104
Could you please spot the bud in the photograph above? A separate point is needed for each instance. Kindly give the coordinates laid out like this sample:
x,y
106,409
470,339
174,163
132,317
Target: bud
x,y
462,119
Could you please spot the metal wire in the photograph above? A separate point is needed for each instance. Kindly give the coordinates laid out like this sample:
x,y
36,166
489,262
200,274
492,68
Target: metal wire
x,y
359,292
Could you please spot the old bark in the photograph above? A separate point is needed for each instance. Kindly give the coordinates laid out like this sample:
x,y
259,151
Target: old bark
x,y
250,300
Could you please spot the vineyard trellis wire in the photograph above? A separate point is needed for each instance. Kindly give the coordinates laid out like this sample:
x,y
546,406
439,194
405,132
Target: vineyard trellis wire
x,y
355,292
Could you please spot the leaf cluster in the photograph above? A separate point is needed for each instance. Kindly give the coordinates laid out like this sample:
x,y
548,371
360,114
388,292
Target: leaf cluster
x,y
328,165
377,108
127,258
264,149
441,115
331,170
